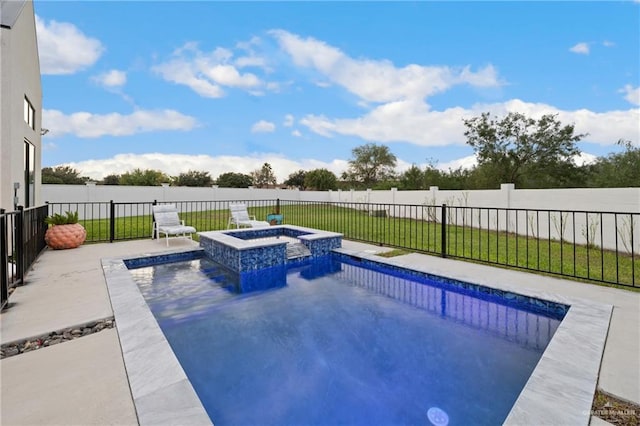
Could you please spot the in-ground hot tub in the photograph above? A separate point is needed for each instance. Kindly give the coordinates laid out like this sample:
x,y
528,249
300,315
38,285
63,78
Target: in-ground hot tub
x,y
251,249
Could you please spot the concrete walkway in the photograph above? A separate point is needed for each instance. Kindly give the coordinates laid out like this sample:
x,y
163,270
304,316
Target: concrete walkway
x,y
80,382
84,381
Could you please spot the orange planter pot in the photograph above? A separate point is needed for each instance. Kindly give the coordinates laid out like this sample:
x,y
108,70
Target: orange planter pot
x,y
60,237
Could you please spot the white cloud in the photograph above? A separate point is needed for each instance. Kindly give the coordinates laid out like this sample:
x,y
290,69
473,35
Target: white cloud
x,y
174,164
263,126
632,95
378,80
409,121
111,79
64,49
414,122
251,58
208,73
250,61
395,99
228,75
608,43
248,45
288,120
467,162
584,158
580,48
88,125
604,128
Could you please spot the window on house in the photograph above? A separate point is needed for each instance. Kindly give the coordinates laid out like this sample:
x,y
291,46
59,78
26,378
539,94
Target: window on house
x,y
29,114
29,174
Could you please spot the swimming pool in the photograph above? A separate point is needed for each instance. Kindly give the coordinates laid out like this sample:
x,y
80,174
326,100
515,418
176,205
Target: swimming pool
x,y
347,341
560,389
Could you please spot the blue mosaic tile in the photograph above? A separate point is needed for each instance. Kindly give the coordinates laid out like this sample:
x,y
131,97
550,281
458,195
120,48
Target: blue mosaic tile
x,y
262,257
322,246
248,259
252,234
142,262
243,258
293,233
532,304
225,255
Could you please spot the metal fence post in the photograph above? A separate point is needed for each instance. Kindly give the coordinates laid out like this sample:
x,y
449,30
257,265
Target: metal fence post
x,y
19,238
443,231
4,261
41,228
153,221
112,221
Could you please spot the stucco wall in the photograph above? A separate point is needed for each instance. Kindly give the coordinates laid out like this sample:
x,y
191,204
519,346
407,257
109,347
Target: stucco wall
x,y
19,76
587,199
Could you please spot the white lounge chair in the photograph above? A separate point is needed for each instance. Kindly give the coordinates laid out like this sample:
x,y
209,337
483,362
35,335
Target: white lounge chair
x,y
240,217
167,222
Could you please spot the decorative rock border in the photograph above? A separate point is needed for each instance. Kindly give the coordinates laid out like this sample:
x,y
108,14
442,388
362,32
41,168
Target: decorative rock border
x,y
53,338
615,410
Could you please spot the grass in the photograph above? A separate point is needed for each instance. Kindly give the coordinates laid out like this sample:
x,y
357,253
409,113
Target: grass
x,y
554,257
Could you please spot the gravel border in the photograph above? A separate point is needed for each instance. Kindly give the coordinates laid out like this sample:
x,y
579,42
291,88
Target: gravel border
x,y
615,410
53,338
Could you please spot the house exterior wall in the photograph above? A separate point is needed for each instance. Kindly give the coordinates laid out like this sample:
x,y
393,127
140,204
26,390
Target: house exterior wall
x,y
19,77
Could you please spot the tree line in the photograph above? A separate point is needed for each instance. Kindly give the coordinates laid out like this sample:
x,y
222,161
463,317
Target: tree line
x,y
513,149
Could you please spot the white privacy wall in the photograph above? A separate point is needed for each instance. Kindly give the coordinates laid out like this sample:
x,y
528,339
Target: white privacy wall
x,y
122,194
568,214
566,218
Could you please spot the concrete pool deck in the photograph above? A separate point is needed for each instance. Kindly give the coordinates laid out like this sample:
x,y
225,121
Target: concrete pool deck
x,y
84,381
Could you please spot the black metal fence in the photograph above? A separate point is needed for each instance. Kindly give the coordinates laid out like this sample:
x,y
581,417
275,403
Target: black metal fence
x,y
21,241
118,221
594,246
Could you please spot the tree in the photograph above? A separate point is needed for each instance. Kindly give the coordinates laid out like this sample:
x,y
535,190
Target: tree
x,y
63,175
296,179
264,176
139,177
320,180
193,178
112,179
457,179
234,180
412,178
516,147
616,170
371,164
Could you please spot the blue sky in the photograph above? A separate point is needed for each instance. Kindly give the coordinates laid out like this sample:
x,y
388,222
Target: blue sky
x,y
224,87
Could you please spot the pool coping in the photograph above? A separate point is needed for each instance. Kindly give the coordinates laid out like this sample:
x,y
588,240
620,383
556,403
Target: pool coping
x,y
162,393
559,391
223,236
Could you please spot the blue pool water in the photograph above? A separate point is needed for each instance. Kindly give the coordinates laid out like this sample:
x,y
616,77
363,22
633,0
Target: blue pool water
x,y
341,343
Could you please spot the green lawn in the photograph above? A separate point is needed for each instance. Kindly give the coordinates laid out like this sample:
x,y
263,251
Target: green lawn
x,y
505,249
